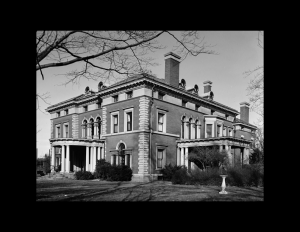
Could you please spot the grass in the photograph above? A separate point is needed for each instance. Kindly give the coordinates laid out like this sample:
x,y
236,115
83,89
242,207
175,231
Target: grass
x,y
87,190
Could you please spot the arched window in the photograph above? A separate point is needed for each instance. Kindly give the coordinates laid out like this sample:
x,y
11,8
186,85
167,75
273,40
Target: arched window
x,y
99,126
84,129
182,127
122,153
92,127
190,128
196,129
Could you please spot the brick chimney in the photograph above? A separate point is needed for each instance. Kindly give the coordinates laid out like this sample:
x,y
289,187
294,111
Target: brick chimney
x,y
244,111
172,62
207,86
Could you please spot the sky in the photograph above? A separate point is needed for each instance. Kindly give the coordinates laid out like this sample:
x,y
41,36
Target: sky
x,y
237,53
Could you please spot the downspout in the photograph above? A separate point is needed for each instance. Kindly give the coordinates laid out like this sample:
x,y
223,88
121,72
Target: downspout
x,y
150,137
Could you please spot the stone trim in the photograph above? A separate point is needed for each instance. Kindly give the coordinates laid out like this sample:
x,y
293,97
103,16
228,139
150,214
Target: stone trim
x,y
104,116
51,133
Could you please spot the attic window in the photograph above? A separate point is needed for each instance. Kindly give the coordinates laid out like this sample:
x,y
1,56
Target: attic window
x,y
85,108
160,96
184,103
58,114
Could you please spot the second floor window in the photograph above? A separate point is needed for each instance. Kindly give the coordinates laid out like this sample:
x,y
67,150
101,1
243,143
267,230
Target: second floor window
x,y
160,122
208,130
218,131
66,131
116,98
129,121
115,123
58,131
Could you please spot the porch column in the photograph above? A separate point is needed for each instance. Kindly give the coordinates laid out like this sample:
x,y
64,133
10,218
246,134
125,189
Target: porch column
x,y
68,159
111,159
62,158
186,157
53,158
87,158
246,156
178,156
182,156
95,159
117,160
220,148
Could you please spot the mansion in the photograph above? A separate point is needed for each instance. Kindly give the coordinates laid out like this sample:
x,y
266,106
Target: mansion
x,y
146,122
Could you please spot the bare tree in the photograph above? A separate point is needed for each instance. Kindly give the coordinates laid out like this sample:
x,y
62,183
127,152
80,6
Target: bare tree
x,y
109,54
256,86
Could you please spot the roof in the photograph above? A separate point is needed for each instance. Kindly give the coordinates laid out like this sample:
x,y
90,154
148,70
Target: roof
x,y
236,120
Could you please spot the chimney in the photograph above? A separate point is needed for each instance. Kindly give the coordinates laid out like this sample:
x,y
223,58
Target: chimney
x,y
244,111
207,86
172,69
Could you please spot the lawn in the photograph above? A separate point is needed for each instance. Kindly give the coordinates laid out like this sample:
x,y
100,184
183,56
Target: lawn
x,y
88,190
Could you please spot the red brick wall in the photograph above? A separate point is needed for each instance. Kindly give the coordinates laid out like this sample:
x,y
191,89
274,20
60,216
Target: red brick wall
x,y
61,120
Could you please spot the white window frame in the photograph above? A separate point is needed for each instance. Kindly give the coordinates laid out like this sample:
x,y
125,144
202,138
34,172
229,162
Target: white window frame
x,y
125,118
64,131
56,130
164,120
112,122
164,148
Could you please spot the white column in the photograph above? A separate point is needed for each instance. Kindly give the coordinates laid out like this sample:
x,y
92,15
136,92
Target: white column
x,y
182,156
68,159
178,156
220,148
246,156
53,157
62,158
186,156
95,159
130,160
111,159
126,159
117,160
87,158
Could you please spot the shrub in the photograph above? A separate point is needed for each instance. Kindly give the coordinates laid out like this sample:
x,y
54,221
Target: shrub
x,y
119,173
209,177
249,175
168,171
83,175
235,176
102,169
181,177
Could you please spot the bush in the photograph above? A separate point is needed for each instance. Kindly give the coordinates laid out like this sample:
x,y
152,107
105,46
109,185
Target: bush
x,y
83,175
168,171
119,173
209,177
102,169
181,177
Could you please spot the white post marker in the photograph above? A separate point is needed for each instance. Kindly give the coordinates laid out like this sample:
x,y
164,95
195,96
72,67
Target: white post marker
x,y
223,185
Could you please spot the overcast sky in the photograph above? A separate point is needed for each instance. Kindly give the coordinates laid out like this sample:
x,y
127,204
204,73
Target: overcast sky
x,y
238,52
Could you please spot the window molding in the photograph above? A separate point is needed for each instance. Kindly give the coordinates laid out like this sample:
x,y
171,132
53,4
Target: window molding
x,y
56,130
112,122
164,129
164,154
125,119
64,130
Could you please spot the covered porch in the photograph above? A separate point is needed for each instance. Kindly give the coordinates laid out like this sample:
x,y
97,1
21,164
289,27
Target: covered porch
x,y
237,149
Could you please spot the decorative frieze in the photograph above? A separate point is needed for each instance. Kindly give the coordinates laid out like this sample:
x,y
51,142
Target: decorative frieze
x,y
75,126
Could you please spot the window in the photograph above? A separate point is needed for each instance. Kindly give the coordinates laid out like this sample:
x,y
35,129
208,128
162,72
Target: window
x,y
230,131
66,112
116,98
224,131
99,105
190,128
218,130
57,131
84,129
160,122
129,95
160,158
208,130
196,129
182,127
99,126
58,114
66,130
115,122
129,121
197,107
184,103
85,108
160,96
